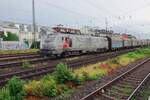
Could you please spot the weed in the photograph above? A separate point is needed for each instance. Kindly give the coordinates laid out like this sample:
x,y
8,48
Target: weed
x,y
49,88
85,75
16,88
18,51
26,64
45,87
77,80
4,94
127,90
63,73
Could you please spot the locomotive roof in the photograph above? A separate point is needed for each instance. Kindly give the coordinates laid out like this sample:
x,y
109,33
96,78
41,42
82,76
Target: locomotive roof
x,y
59,29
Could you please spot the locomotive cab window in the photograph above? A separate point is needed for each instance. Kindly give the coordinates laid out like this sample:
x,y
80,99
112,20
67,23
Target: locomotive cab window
x,y
68,41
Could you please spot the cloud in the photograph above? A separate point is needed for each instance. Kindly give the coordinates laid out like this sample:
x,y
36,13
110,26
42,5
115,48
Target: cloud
x,y
79,12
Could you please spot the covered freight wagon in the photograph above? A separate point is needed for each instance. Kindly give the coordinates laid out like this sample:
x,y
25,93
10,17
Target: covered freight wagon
x,y
116,42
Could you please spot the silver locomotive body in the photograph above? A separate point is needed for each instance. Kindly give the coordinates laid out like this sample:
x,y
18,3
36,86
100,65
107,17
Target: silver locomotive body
x,y
55,43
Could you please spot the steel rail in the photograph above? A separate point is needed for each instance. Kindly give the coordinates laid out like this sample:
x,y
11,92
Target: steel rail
x,y
139,87
29,73
114,80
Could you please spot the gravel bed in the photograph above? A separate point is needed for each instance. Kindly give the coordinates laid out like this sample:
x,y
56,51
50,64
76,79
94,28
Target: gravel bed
x,y
90,86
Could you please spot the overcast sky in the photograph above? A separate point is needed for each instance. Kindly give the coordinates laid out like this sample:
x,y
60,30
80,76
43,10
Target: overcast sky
x,y
122,15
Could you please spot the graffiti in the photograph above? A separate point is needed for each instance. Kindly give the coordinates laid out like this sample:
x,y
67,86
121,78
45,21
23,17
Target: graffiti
x,y
6,45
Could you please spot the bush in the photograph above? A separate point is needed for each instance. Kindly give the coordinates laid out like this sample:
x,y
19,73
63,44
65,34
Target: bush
x,y
139,51
35,88
64,92
16,88
114,60
44,87
49,88
4,94
49,85
131,55
146,51
86,76
63,73
48,77
77,80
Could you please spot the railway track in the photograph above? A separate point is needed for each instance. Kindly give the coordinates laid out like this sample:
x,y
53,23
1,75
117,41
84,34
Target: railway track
x,y
20,62
19,58
15,55
36,59
30,73
125,86
143,92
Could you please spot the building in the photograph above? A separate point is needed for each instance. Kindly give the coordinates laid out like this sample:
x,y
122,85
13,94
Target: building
x,y
24,31
96,31
87,30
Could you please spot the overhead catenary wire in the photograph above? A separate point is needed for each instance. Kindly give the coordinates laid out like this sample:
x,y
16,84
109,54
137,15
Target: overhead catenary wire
x,y
100,8
73,12
64,9
114,25
91,18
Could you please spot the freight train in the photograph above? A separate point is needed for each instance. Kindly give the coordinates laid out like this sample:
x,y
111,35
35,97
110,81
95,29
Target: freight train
x,y
66,41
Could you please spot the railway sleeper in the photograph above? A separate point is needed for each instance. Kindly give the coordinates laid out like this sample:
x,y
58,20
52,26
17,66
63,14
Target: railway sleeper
x,y
124,86
99,96
127,83
137,76
116,94
135,79
37,73
131,81
125,90
104,97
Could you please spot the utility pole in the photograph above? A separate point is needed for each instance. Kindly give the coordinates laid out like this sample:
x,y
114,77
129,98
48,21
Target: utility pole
x,y
106,23
34,24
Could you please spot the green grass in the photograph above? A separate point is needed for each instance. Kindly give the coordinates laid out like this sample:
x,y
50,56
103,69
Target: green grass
x,y
26,64
18,51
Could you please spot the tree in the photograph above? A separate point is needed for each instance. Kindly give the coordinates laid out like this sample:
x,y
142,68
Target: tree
x,y
35,45
10,37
